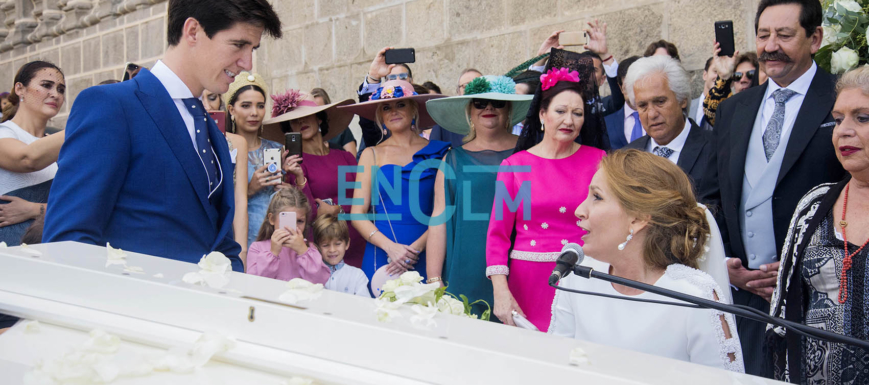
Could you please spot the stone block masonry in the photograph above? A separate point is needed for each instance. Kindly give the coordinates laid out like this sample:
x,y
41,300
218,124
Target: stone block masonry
x,y
330,43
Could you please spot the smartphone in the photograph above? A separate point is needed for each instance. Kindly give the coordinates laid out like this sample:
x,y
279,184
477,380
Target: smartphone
x,y
287,219
219,118
523,322
272,159
572,39
724,37
400,56
293,143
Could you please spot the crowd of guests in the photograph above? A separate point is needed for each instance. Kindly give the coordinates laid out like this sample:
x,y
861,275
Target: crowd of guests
x,y
737,195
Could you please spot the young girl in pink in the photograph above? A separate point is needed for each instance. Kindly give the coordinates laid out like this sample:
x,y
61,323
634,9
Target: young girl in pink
x,y
284,253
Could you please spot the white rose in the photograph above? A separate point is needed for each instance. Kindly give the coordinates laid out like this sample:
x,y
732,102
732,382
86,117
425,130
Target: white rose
x,y
844,60
391,285
850,5
451,305
410,278
215,262
830,32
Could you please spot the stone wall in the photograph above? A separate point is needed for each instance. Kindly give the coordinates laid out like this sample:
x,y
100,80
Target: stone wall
x,y
330,43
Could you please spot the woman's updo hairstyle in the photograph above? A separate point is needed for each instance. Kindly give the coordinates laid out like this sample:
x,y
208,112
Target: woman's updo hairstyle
x,y
24,76
650,186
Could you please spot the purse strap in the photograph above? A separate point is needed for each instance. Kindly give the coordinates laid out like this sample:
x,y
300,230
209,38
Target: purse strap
x,y
383,204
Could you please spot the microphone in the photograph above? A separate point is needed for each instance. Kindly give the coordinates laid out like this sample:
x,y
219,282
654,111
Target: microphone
x,y
571,255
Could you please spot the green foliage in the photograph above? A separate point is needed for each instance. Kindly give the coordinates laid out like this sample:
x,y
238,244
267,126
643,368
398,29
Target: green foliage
x,y
849,30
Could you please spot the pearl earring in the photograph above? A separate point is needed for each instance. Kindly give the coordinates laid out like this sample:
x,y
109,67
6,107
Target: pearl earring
x,y
628,239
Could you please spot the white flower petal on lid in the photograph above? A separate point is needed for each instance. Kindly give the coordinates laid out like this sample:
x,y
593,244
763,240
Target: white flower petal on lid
x,y
3,245
209,344
301,290
424,317
29,250
102,342
115,256
134,269
300,381
32,327
578,357
158,275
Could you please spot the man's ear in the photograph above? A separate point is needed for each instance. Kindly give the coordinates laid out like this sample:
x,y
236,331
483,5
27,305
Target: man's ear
x,y
191,30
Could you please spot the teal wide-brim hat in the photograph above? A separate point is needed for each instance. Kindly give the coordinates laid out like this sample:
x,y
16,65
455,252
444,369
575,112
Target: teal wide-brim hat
x,y
449,113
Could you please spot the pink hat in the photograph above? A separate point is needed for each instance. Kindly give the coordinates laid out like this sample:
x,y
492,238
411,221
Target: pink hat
x,y
390,91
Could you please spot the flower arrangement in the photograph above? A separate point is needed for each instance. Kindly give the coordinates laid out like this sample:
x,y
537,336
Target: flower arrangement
x,y
845,43
555,75
428,300
285,102
390,92
486,84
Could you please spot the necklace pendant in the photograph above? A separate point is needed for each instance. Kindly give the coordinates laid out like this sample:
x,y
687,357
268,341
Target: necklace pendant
x,y
843,224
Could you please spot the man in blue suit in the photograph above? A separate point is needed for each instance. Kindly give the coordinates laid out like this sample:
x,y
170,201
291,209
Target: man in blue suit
x,y
142,166
616,121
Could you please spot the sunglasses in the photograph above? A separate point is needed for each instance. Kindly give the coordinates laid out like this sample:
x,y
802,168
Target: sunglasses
x,y
402,76
481,104
748,75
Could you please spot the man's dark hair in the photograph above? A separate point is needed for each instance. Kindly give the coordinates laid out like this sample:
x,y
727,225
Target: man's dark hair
x,y
432,87
708,63
670,47
811,14
220,15
623,68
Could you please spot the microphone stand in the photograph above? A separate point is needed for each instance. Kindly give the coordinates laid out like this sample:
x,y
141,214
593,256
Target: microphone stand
x,y
738,310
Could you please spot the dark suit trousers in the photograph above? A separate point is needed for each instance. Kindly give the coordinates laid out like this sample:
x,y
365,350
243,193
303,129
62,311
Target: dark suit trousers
x,y
751,333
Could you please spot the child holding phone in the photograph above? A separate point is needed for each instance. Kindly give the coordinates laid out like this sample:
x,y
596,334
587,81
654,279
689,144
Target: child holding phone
x,y
282,252
332,237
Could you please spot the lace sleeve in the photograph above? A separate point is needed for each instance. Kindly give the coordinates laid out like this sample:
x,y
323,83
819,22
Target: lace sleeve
x,y
711,323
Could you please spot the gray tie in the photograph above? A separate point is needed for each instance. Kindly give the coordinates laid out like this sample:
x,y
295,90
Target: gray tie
x,y
772,135
663,151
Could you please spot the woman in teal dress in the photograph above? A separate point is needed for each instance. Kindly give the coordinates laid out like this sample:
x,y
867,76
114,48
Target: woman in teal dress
x,y
456,249
403,200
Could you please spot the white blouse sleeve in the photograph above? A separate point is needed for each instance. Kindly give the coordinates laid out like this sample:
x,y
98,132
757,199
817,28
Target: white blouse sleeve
x,y
708,344
563,322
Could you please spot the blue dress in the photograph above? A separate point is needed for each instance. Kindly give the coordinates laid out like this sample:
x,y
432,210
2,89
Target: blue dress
x,y
258,204
407,227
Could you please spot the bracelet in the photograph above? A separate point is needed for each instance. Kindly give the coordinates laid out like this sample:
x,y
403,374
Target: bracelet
x,y
301,185
41,210
433,280
372,80
607,59
372,234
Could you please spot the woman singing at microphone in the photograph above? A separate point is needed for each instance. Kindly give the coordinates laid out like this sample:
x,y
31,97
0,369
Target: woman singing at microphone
x,y
643,223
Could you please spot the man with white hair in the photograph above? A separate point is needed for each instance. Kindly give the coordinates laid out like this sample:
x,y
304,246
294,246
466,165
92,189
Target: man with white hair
x,y
660,90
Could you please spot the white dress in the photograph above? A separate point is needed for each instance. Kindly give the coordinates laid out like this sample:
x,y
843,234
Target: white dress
x,y
693,335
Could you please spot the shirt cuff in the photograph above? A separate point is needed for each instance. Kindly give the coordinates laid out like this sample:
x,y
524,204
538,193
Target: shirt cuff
x,y
367,88
612,70
537,68
497,270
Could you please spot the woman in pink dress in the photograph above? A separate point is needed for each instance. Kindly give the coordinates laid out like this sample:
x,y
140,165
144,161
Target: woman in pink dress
x,y
547,181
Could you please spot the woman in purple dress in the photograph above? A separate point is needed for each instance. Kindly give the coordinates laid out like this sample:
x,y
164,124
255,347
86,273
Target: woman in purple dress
x,y
321,166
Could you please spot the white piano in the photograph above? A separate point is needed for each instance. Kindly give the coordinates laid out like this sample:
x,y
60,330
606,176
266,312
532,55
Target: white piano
x,y
334,339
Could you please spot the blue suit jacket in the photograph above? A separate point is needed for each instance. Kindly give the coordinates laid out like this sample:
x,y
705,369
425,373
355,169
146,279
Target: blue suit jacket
x,y
615,128
128,174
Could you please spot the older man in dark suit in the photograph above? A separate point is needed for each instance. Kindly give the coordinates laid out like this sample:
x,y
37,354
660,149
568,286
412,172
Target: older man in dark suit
x,y
773,144
660,89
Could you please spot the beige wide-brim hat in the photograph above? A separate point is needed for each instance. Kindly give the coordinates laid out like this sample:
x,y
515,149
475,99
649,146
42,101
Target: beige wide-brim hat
x,y
338,119
386,93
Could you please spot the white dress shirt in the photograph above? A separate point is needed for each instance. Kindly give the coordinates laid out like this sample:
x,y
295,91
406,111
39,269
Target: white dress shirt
x,y
698,117
792,106
676,144
178,91
629,123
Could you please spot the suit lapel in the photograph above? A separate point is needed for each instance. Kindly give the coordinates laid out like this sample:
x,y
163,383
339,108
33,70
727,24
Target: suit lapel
x,y
164,113
816,107
744,117
691,151
227,200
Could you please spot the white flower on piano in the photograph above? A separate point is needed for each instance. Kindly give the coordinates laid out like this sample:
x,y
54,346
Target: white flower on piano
x,y
387,310
115,256
215,270
578,357
450,305
301,290
424,317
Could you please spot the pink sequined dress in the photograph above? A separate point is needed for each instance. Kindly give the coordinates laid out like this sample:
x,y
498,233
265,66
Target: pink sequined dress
x,y
556,187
